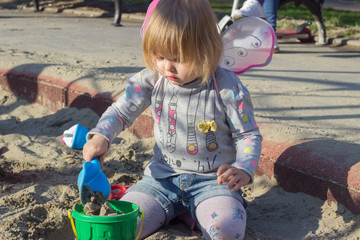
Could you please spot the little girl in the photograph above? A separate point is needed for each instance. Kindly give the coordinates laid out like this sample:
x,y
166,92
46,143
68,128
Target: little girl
x,y
207,141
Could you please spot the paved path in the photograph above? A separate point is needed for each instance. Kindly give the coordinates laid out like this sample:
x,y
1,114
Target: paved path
x,y
345,5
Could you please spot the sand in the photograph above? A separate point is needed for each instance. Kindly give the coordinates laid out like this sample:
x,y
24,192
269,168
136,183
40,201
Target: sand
x,y
38,183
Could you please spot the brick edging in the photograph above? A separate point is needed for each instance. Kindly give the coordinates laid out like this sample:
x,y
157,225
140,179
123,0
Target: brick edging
x,y
305,166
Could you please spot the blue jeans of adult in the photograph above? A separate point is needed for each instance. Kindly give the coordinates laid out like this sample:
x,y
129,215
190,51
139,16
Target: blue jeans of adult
x,y
270,8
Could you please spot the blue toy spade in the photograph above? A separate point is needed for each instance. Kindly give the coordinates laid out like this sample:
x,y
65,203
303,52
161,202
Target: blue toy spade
x,y
92,176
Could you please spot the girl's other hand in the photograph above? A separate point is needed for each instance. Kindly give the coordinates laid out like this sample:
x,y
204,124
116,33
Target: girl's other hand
x,y
97,146
234,177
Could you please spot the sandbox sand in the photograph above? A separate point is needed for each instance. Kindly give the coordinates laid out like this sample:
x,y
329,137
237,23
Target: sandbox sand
x,y
38,183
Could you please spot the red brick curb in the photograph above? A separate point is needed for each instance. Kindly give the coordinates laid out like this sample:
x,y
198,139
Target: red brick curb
x,y
52,92
325,168
56,94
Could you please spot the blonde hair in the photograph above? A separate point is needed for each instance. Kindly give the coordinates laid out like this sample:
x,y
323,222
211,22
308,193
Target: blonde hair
x,y
185,30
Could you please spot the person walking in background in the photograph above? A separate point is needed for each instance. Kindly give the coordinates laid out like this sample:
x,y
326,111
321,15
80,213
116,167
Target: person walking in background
x,y
207,143
266,9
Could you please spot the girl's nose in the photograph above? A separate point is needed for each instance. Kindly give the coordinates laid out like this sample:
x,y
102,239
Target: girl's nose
x,y
169,66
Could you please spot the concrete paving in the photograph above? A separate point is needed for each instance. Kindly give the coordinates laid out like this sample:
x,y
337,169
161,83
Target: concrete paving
x,y
306,100
344,5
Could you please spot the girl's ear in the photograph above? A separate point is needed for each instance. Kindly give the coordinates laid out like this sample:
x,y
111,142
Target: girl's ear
x,y
147,17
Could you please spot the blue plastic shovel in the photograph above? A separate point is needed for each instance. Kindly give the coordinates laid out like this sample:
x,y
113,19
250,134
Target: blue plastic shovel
x,y
91,175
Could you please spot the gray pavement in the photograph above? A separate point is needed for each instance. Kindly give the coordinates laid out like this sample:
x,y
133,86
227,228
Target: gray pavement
x,y
307,98
345,5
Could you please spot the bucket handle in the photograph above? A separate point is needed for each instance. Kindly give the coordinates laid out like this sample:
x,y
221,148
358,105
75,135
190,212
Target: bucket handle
x,y
73,224
141,226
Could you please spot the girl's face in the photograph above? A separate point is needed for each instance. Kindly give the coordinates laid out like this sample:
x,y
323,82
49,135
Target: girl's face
x,y
176,72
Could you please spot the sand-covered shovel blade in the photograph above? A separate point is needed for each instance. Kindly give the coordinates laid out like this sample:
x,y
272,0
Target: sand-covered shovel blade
x,y
93,177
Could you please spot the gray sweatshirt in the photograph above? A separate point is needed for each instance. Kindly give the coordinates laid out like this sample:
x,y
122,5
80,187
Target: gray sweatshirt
x,y
196,127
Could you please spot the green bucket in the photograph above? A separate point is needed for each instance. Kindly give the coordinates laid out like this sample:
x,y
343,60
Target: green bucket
x,y
121,227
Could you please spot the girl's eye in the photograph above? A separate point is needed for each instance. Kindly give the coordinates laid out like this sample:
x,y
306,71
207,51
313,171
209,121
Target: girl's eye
x,y
159,58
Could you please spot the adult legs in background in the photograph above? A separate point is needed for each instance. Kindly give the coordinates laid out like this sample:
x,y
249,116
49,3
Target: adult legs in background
x,y
221,217
271,7
260,8
154,214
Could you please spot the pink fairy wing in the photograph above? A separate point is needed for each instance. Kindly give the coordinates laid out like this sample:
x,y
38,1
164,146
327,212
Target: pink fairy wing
x,y
148,14
248,43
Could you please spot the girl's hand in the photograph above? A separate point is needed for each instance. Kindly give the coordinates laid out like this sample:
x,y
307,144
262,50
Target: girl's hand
x,y
235,178
97,146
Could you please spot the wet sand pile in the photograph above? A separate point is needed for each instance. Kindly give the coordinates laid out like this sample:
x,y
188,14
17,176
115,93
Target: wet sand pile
x,y
96,204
